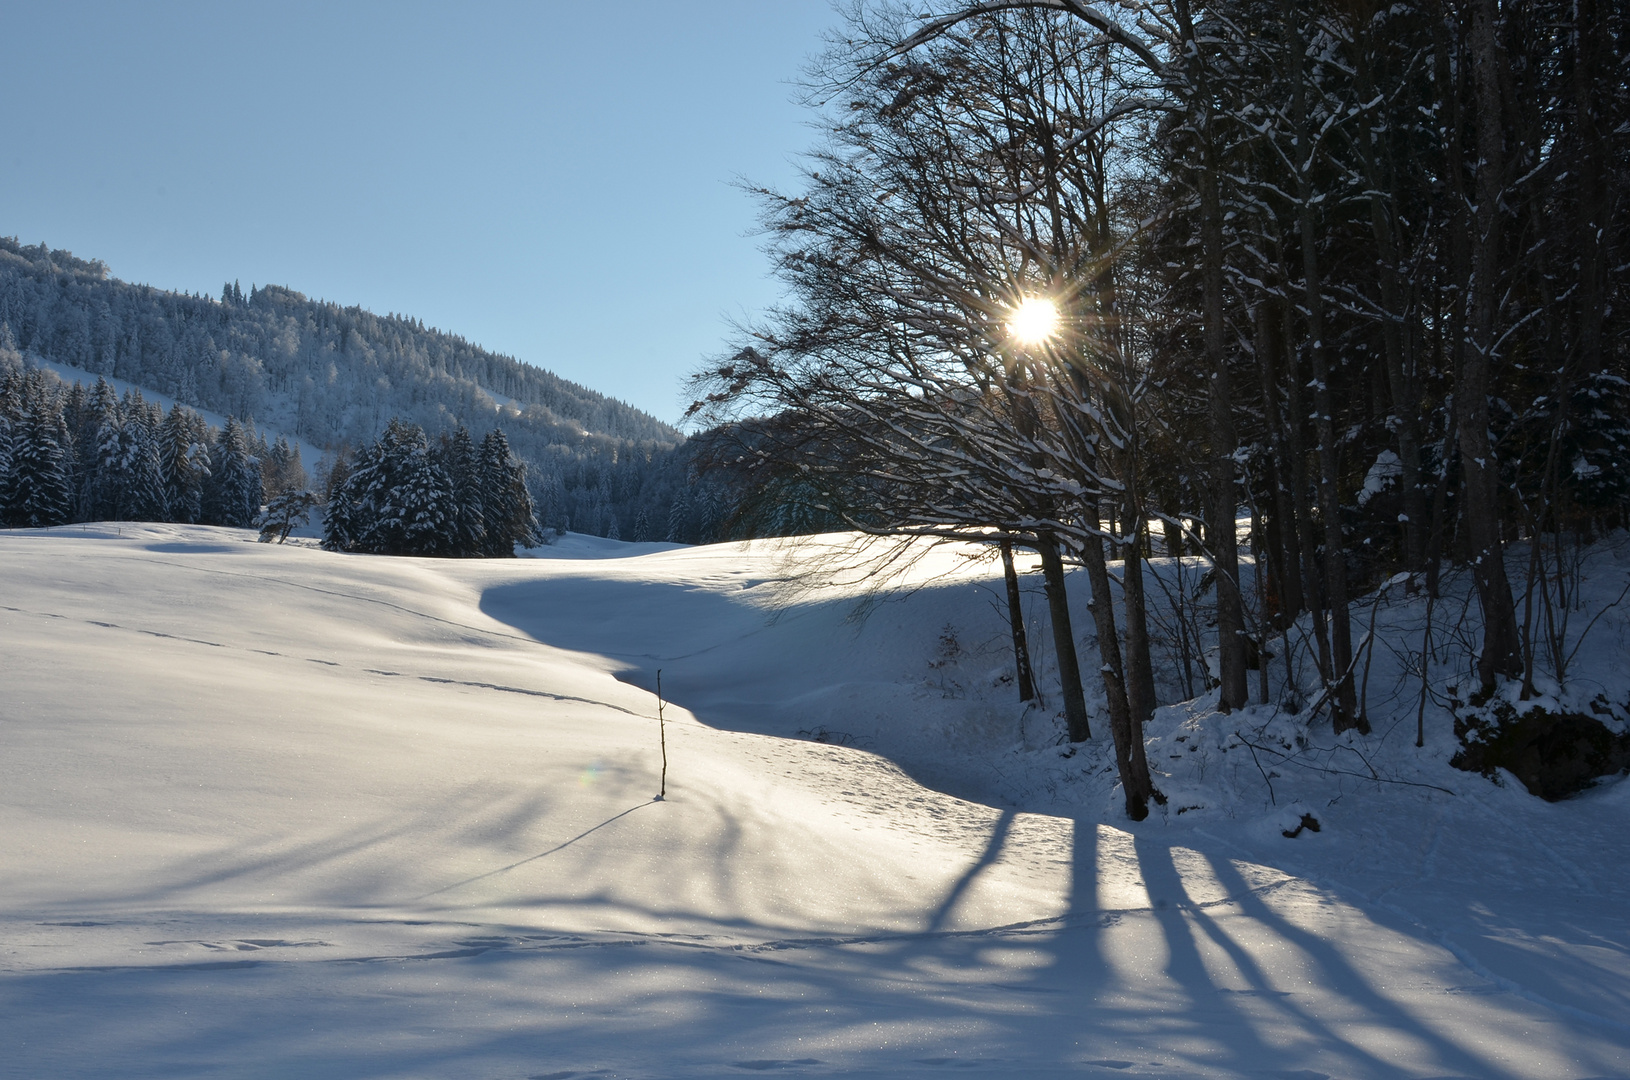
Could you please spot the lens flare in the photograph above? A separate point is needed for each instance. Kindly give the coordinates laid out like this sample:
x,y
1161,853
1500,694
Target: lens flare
x,y
1034,322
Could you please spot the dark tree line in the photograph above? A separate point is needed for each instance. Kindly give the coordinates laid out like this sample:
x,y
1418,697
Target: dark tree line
x,y
402,495
1354,271
71,454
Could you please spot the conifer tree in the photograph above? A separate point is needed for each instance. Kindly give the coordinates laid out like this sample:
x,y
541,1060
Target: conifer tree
x,y
339,528
34,489
511,517
11,361
679,516
100,455
357,503
285,511
282,469
423,499
11,407
232,496
143,496
462,464
378,517
183,463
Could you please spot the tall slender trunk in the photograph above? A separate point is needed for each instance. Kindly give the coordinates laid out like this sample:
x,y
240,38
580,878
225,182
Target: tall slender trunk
x,y
1171,531
1301,484
1140,672
1440,514
1015,616
1285,541
1501,654
1052,573
1224,442
1224,544
1591,223
1404,416
1069,667
1449,74
1129,757
1344,701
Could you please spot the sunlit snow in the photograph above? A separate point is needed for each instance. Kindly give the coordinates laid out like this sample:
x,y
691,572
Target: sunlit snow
x,y
275,812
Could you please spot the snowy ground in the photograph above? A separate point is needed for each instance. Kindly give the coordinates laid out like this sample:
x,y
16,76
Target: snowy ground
x,y
275,812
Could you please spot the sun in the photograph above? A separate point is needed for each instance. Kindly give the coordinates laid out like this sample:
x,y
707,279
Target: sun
x,y
1034,322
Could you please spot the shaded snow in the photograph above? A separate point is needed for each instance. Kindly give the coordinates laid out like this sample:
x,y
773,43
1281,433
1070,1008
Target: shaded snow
x,y
273,811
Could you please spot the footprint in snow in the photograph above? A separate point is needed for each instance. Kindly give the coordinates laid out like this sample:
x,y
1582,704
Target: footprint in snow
x,y
774,1063
247,944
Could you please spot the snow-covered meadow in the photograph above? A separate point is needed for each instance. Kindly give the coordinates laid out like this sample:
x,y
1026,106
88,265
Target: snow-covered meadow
x,y
276,812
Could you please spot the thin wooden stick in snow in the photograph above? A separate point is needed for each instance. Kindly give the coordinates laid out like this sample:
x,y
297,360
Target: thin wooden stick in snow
x,y
662,736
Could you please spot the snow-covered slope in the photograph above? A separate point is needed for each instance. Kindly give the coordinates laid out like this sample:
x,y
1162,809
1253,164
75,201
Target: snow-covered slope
x,y
310,453
272,811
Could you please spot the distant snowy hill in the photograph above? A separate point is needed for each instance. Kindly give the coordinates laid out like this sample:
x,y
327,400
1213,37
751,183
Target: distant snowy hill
x,y
328,376
325,373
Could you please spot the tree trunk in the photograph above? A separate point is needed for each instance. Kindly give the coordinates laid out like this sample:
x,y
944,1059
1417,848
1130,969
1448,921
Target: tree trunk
x,y
1069,668
1405,412
1480,476
1129,757
1234,693
1140,671
1015,616
1312,593
1224,544
1344,701
1284,540
1592,213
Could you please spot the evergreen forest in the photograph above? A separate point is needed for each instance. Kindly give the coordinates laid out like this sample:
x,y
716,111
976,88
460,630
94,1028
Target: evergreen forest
x,y
70,454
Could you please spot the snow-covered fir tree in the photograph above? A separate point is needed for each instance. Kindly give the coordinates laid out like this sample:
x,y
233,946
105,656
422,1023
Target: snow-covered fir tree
x,y
511,518
281,468
34,474
423,499
395,500
462,463
142,497
183,447
101,456
287,510
232,495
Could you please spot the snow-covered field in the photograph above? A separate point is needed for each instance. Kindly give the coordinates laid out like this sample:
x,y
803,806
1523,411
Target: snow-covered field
x,y
275,812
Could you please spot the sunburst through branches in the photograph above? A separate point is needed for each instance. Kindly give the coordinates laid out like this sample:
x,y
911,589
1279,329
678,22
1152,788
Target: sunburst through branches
x,y
1034,322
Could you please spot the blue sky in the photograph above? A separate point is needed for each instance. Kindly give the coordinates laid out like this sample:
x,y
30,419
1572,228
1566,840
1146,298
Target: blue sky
x,y
551,180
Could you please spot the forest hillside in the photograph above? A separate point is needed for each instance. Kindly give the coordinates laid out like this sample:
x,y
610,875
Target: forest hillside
x,y
333,377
